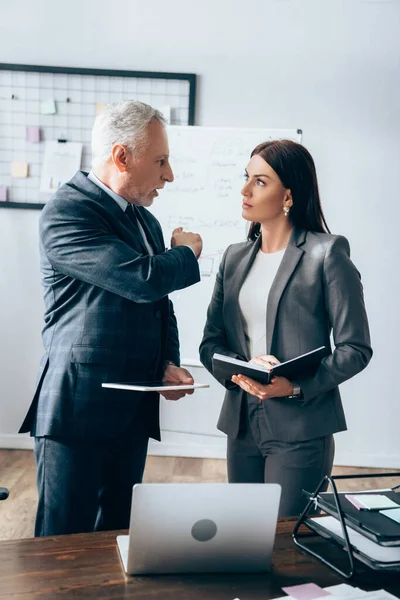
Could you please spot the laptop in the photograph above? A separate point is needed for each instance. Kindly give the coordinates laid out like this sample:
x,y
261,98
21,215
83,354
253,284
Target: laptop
x,y
200,528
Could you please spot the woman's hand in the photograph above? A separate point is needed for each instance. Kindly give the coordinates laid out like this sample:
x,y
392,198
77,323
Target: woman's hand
x,y
267,361
278,388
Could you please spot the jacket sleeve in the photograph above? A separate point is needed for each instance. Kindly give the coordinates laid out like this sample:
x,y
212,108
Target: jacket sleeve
x,y
214,336
171,351
346,311
83,246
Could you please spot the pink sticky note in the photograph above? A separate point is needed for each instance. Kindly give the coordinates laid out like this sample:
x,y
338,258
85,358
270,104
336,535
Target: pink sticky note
x,y
306,591
354,501
33,134
3,193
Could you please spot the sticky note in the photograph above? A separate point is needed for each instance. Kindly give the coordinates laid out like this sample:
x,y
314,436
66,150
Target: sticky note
x,y
32,134
371,501
48,107
19,169
393,513
306,591
99,108
3,193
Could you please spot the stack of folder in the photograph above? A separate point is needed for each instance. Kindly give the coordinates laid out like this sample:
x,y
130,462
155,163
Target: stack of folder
x,y
367,524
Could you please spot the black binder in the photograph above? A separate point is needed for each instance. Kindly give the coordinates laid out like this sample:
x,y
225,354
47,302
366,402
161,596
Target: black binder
x,y
372,524
225,366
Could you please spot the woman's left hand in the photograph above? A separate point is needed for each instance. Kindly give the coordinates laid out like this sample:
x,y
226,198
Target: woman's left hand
x,y
278,388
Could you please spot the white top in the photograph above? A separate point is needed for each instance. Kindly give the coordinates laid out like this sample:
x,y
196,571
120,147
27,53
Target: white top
x,y
253,298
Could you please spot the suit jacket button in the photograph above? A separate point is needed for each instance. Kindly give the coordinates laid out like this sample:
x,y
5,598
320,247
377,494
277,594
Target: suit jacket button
x,y
158,314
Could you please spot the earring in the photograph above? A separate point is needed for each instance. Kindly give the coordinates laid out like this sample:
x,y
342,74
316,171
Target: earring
x,y
286,210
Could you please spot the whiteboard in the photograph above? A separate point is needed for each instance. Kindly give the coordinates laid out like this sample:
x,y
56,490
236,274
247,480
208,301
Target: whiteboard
x,y
208,165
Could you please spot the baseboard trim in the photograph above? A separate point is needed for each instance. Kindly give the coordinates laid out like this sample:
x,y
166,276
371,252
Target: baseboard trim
x,y
201,446
15,441
372,461
172,444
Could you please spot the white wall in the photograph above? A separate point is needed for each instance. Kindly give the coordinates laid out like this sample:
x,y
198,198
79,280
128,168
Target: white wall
x,y
330,68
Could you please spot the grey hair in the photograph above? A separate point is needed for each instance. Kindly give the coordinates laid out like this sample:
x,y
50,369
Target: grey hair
x,y
122,123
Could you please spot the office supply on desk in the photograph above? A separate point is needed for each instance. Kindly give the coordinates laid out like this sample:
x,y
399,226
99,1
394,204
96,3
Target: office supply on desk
x,y
393,513
371,524
372,554
155,386
191,528
224,367
371,527
306,591
371,501
342,591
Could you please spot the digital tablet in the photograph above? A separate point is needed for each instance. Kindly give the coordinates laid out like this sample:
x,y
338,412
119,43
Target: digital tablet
x,y
154,386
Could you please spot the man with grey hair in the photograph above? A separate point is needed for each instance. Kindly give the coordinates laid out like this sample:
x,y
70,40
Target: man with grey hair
x,y
106,277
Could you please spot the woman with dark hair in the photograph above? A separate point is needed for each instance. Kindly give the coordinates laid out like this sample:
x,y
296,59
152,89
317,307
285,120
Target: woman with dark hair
x,y
278,295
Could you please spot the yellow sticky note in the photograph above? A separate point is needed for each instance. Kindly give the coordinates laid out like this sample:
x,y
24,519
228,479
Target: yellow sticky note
x,y
19,169
99,108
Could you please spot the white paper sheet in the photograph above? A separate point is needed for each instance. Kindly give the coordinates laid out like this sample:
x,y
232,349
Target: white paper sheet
x,y
60,163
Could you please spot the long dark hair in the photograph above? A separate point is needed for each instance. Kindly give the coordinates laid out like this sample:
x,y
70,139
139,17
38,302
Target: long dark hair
x,y
295,168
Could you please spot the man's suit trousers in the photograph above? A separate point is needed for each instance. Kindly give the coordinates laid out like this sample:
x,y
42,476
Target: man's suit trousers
x,y
87,485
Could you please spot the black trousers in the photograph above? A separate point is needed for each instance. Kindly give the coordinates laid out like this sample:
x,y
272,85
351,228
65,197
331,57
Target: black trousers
x,y
87,485
256,458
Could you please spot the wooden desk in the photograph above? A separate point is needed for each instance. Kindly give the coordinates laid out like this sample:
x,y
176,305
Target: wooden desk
x,y
87,566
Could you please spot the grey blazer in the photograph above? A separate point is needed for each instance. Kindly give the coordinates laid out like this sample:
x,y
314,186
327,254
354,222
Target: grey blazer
x,y
317,289
107,318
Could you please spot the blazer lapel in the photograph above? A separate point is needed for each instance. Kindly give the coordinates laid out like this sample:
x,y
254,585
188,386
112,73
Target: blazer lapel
x,y
286,268
242,269
132,233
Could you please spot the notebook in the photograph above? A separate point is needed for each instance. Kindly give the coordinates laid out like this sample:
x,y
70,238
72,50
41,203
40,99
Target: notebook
x,y
225,366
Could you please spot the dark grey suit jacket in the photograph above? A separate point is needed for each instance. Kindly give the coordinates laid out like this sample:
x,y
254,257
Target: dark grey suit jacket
x,y
107,317
317,289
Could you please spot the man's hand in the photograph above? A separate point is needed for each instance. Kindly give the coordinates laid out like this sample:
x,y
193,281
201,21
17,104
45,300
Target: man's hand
x,y
173,374
187,238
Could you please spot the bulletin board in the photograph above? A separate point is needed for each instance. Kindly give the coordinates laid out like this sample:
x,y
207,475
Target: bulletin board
x,y
26,123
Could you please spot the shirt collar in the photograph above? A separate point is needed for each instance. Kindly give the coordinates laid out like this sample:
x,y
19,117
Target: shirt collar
x,y
122,203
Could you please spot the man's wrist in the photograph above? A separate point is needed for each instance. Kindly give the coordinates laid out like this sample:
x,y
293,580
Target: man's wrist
x,y
167,363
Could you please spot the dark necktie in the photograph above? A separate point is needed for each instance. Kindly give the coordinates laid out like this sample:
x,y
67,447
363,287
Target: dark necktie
x,y
141,232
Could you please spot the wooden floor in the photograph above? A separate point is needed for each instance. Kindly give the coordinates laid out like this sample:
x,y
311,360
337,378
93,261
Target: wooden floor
x,y
17,473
